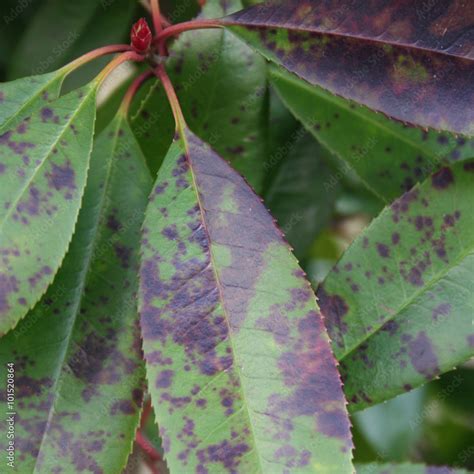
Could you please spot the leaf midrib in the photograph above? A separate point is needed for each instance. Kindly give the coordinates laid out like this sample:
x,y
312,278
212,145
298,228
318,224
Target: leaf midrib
x,y
80,292
60,75
221,297
28,182
352,37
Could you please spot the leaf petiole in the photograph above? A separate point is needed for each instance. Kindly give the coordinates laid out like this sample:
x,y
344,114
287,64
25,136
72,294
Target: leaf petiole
x,y
116,62
95,54
156,14
161,73
132,90
175,30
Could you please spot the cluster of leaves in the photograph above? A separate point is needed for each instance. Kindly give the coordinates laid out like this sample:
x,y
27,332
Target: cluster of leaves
x,y
133,251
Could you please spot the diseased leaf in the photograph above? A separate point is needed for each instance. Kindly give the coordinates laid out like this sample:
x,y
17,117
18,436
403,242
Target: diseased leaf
x,y
405,468
389,157
414,67
399,304
21,98
298,196
238,361
77,355
43,170
284,132
221,84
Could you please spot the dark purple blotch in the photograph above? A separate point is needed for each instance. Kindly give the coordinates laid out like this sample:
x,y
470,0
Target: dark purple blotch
x,y
442,179
62,177
422,355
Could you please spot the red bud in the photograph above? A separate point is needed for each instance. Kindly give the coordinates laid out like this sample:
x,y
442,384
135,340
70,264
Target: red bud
x,y
141,36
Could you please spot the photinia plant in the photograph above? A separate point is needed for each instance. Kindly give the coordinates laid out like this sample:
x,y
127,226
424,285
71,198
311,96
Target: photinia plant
x,y
142,277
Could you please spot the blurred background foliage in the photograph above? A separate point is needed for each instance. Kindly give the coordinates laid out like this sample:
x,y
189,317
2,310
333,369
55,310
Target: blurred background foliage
x,y
320,216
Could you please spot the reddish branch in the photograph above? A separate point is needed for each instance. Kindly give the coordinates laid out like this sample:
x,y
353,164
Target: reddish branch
x,y
152,456
161,73
116,62
156,14
97,53
147,409
128,97
147,447
175,30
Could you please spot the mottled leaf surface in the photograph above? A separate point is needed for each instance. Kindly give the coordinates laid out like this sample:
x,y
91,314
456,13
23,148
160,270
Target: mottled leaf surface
x,y
405,468
389,157
43,168
23,97
77,355
298,196
221,84
412,63
400,302
239,364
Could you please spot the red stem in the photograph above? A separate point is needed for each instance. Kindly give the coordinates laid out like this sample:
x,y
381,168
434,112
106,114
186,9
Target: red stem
x,y
155,11
174,30
127,56
161,73
146,411
147,447
96,53
164,21
125,106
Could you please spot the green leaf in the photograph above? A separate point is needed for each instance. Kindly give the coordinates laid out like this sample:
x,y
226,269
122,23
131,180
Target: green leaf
x,y
390,428
399,303
221,84
414,67
177,11
283,131
238,361
358,200
448,432
405,468
152,110
390,158
298,196
43,170
61,31
78,368
16,16
23,97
